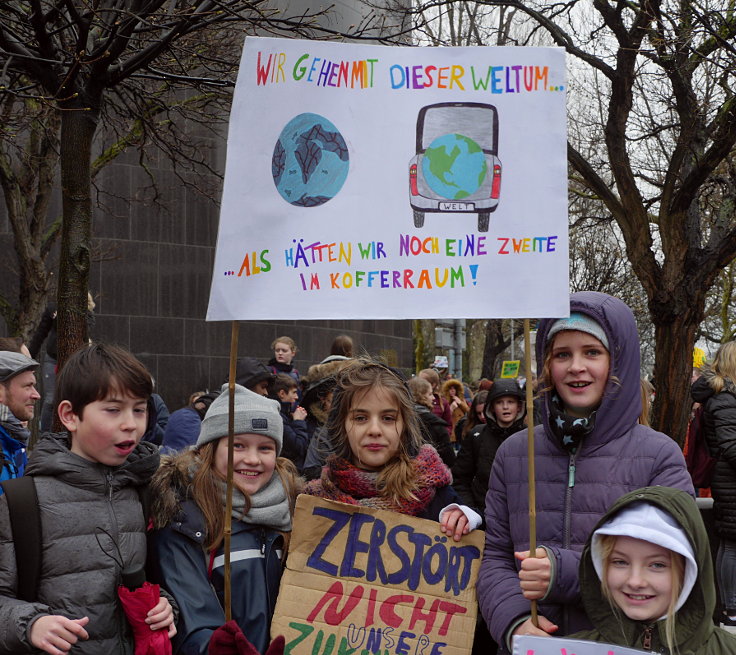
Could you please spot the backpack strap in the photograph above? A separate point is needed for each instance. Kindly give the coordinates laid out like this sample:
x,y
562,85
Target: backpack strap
x,y
25,522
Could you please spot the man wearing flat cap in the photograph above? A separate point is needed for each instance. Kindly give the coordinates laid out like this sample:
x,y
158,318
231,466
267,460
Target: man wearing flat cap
x,y
18,393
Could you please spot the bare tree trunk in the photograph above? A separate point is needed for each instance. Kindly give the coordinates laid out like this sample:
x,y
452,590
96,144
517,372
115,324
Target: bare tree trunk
x,y
26,183
673,369
78,127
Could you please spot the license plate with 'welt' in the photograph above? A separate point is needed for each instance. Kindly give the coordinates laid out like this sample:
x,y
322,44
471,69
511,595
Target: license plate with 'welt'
x,y
457,207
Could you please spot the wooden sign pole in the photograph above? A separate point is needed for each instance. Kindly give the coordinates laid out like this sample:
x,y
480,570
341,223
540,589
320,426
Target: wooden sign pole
x,y
230,443
530,454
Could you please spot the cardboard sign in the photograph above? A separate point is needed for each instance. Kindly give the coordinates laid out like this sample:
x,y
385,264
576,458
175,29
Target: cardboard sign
x,y
384,182
377,582
527,645
510,368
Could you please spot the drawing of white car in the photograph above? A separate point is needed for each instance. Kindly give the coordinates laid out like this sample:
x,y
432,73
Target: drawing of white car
x,y
456,167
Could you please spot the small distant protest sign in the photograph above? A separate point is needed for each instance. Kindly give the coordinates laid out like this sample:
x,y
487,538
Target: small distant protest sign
x,y
510,368
528,645
375,582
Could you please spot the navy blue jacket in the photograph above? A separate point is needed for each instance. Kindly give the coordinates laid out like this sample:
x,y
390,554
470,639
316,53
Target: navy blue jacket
x,y
178,562
12,457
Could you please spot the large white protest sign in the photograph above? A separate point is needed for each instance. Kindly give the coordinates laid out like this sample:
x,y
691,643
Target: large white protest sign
x,y
527,645
394,182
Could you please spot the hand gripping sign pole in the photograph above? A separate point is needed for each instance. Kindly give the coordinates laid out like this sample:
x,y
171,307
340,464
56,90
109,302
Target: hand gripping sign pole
x,y
530,455
230,445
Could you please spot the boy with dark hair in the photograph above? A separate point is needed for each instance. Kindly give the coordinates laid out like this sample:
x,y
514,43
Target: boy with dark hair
x,y
296,435
505,413
87,481
254,376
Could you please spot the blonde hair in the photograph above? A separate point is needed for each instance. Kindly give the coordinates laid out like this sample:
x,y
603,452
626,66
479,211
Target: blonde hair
x,y
646,401
419,388
724,366
287,340
205,490
677,572
397,479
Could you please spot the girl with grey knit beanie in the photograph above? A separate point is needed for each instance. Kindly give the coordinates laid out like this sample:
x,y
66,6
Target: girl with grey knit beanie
x,y
187,541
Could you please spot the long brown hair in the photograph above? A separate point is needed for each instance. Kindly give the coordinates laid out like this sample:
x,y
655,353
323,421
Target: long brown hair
x,y
196,473
471,418
397,479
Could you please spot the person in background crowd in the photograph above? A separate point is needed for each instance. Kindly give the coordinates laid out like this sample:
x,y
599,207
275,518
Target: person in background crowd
x,y
342,346
715,390
439,405
13,345
505,410
18,397
254,376
589,451
454,393
284,351
434,429
158,418
475,417
182,430
320,381
296,438
647,390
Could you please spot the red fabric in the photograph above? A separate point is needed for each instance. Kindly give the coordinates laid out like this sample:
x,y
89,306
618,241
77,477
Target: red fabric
x,y
346,483
136,605
277,646
229,639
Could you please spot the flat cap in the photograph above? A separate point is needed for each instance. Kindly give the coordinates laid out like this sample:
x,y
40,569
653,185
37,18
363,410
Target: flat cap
x,y
12,364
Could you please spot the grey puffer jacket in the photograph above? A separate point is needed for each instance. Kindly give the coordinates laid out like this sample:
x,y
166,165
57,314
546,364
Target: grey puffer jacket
x,y
91,516
572,491
719,420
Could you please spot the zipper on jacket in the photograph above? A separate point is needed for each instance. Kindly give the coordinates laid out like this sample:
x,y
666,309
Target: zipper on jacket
x,y
646,640
568,500
567,522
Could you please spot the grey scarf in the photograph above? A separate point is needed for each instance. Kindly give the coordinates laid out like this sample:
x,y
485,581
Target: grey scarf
x,y
14,427
269,506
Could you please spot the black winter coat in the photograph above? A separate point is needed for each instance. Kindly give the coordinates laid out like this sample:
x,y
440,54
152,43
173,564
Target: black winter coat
x,y
435,432
472,468
719,418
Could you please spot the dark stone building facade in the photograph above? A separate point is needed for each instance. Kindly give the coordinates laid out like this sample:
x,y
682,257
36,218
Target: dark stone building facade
x,y
150,277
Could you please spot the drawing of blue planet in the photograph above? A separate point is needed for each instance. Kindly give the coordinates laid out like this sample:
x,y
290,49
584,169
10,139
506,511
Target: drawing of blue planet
x,y
310,161
454,166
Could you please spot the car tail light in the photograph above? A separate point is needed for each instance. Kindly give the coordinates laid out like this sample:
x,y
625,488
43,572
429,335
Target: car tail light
x,y
496,184
413,180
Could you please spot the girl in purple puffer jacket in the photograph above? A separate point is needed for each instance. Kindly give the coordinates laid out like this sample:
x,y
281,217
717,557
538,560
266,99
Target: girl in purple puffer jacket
x,y
589,451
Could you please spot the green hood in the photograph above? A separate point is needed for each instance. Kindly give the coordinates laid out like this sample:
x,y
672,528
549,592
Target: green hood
x,y
694,624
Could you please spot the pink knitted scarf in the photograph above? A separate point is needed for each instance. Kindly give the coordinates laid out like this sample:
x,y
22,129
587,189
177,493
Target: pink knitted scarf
x,y
345,483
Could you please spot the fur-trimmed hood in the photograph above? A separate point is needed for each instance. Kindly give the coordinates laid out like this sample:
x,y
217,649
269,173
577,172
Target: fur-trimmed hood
x,y
457,385
170,486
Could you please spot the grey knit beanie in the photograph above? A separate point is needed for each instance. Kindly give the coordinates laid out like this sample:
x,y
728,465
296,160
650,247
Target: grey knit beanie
x,y
254,414
581,323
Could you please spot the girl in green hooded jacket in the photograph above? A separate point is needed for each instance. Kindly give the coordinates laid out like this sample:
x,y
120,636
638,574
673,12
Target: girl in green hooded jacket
x,y
646,577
